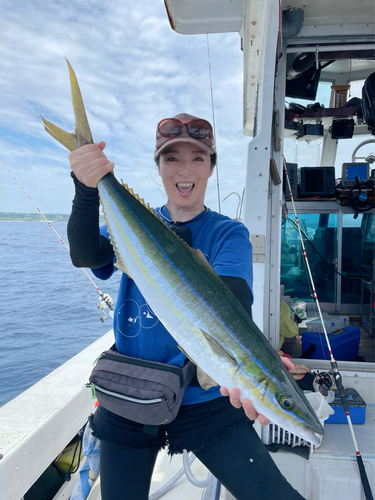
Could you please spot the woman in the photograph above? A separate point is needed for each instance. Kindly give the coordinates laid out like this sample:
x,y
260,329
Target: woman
x,y
213,427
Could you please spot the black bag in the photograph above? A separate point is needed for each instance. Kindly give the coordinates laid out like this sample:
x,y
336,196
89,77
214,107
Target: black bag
x,y
368,102
146,392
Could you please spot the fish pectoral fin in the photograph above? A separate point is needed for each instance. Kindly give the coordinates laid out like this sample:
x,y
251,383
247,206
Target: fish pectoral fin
x,y
205,381
218,349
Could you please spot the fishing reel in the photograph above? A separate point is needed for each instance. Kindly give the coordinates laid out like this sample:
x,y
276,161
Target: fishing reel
x,y
105,302
323,382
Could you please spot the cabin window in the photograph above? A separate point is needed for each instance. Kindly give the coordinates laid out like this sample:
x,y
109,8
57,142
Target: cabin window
x,y
320,239
337,275
358,253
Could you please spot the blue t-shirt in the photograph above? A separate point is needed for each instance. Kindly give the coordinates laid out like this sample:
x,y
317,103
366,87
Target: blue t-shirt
x,y
139,333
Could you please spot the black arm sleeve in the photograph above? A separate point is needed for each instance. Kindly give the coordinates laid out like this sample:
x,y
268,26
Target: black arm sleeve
x,y
240,289
88,248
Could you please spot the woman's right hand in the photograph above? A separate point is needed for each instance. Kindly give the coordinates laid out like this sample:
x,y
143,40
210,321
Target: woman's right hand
x,y
90,164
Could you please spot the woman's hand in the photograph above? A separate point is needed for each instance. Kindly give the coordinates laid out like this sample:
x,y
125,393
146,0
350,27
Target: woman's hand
x,y
90,164
234,397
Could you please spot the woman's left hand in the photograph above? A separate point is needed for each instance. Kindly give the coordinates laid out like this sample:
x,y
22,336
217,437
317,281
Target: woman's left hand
x,y
234,397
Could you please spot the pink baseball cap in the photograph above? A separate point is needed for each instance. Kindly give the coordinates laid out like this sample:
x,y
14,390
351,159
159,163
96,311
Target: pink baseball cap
x,y
184,128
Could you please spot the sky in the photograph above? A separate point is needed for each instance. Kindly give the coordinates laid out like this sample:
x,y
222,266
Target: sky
x,y
133,70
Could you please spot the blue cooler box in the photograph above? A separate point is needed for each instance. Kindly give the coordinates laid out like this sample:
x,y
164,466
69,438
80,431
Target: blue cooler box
x,y
344,343
357,409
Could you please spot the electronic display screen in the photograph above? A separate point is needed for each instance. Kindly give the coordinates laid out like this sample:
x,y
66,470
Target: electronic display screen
x,y
355,169
314,181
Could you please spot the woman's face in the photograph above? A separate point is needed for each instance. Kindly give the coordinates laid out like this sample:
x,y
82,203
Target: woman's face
x,y
185,170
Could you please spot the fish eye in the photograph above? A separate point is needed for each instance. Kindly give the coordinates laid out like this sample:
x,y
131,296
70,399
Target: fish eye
x,y
286,402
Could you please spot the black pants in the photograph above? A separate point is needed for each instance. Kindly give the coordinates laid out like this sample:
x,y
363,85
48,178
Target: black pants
x,y
219,435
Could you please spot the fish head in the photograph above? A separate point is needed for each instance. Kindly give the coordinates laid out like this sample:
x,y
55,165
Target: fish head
x,y
275,394
295,407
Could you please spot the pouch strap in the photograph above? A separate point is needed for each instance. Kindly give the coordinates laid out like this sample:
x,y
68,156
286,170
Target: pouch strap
x,y
189,370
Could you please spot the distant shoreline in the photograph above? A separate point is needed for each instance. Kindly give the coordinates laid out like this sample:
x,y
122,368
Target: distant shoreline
x,y
31,217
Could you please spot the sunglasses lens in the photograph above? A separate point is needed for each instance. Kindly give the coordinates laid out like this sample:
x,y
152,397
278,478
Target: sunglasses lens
x,y
199,129
170,127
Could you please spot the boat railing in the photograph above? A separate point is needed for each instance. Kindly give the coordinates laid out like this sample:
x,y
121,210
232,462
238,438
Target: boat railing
x,y
37,425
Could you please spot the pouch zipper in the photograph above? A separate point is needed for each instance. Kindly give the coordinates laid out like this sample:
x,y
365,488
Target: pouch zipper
x,y
126,398
147,364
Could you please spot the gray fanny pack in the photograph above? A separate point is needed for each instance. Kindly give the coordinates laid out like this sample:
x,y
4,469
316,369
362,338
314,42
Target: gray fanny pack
x,y
146,392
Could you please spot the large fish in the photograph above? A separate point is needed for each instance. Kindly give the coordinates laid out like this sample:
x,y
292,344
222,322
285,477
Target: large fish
x,y
191,301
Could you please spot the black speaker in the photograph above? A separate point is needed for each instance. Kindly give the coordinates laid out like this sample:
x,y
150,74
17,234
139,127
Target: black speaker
x,y
342,129
292,169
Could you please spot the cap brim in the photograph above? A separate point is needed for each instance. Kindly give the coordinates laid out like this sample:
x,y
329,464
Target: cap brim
x,y
201,145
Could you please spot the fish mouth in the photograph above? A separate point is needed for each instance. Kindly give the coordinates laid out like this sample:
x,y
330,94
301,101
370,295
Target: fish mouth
x,y
313,435
185,188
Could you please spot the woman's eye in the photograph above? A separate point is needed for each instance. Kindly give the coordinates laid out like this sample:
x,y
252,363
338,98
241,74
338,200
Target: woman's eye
x,y
171,158
198,158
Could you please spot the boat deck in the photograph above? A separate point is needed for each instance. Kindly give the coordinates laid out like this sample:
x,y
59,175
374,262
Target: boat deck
x,y
38,424
165,470
337,438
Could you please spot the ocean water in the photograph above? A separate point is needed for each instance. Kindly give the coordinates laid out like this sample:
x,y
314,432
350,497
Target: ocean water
x,y
49,308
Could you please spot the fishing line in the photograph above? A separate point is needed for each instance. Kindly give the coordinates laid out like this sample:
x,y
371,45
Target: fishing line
x,y
213,123
315,250
104,300
335,369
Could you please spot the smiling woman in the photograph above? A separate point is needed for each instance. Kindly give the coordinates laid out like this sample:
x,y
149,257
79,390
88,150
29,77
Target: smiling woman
x,y
185,155
184,159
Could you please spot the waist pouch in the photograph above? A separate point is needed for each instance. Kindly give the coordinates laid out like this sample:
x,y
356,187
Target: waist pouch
x,y
146,392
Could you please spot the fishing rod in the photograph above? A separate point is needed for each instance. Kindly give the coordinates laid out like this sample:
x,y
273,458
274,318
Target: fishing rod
x,y
104,299
336,374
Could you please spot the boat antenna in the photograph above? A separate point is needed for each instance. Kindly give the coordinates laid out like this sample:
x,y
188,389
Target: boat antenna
x,y
213,123
336,374
104,299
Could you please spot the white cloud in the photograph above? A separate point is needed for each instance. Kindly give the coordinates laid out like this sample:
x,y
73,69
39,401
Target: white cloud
x,y
133,70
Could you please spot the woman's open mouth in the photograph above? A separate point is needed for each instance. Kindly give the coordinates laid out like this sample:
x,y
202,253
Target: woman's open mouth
x,y
185,188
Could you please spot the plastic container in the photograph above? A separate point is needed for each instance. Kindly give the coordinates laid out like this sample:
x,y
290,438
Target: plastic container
x,y
332,324
357,408
344,343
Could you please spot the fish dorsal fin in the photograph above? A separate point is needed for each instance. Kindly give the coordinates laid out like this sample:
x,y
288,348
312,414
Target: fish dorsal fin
x,y
218,349
141,200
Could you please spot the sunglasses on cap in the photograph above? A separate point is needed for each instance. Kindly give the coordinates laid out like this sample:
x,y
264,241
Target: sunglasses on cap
x,y
196,128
